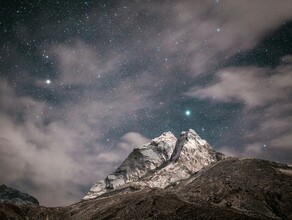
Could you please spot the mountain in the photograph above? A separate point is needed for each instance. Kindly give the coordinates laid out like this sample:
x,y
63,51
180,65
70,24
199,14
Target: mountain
x,y
159,163
182,178
140,162
13,196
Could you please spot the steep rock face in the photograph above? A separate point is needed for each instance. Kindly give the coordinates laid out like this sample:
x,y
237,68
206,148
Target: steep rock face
x,y
190,154
161,162
142,160
13,196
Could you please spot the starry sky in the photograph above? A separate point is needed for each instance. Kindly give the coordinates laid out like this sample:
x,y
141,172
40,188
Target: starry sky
x,y
84,82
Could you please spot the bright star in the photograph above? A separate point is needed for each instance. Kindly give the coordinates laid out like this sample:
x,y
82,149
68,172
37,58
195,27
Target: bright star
x,y
188,112
48,81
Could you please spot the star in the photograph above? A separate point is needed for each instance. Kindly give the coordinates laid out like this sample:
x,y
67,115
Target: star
x,y
188,112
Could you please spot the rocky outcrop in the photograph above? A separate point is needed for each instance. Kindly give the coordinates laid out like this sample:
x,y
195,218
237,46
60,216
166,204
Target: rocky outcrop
x,y
13,196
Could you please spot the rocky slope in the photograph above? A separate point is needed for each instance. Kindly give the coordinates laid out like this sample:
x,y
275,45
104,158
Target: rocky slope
x,y
13,196
229,189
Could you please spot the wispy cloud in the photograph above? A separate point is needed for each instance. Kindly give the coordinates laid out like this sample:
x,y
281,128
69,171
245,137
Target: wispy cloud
x,y
251,85
199,37
49,148
266,94
79,63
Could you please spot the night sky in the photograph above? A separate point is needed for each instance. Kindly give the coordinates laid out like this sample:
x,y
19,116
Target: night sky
x,y
84,82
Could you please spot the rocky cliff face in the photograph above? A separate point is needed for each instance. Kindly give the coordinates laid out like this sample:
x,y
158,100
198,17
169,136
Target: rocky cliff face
x,y
159,163
13,196
191,153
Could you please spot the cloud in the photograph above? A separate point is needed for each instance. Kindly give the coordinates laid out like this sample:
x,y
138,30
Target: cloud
x,y
252,85
127,143
283,141
42,149
132,140
258,150
266,95
47,146
79,63
200,36
255,150
35,155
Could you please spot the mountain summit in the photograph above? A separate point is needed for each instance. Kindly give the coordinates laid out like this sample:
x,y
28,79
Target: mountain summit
x,y
159,163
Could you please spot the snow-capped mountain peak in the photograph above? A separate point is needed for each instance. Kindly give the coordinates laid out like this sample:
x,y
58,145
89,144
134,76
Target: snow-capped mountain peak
x,y
193,151
187,139
160,162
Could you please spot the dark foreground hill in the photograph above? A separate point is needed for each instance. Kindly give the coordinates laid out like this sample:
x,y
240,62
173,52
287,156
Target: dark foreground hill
x,y
229,189
13,196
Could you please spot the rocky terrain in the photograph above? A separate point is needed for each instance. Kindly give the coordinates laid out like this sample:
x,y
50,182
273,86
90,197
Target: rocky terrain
x,y
13,196
182,178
